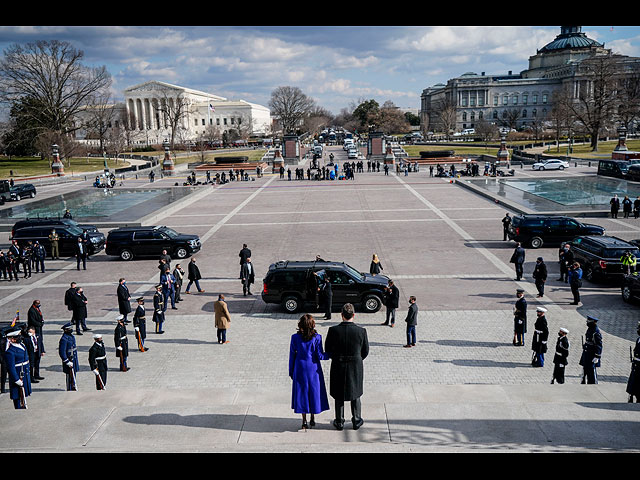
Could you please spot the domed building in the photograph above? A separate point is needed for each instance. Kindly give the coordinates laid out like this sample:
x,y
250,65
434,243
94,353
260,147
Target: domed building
x,y
513,100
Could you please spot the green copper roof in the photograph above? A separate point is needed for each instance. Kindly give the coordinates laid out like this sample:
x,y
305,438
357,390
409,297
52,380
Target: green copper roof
x,y
571,37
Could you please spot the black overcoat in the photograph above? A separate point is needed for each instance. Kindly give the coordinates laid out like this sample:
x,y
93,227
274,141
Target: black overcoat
x,y
194,272
78,306
540,336
124,304
347,345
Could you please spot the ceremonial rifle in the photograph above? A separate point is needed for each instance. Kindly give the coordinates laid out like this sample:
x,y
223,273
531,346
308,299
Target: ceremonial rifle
x,y
23,396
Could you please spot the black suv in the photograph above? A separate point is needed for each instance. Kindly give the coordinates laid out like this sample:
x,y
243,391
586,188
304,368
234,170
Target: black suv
x,y
631,287
53,223
538,230
68,238
292,284
130,242
5,188
22,190
599,257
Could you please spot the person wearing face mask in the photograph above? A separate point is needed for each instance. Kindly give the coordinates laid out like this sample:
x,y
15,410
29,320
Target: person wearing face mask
x,y
412,321
36,320
68,352
140,324
591,352
565,257
561,356
633,384
31,344
98,361
124,297
16,360
122,343
519,318
194,276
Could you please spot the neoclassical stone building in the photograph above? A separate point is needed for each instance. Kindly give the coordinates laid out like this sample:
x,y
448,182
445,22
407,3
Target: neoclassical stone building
x,y
526,96
148,107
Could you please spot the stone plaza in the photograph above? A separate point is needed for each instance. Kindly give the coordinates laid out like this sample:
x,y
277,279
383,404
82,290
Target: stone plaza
x,y
463,388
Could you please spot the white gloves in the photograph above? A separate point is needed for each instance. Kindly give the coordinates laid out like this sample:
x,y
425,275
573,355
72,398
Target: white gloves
x,y
19,383
96,372
137,329
119,348
70,364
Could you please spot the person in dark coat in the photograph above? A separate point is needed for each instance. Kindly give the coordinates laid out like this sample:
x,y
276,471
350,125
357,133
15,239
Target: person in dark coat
x,y
540,337
122,343
39,255
627,205
193,276
412,321
81,254
636,207
615,206
376,266
79,307
16,360
518,259
244,254
560,358
308,394
247,274
506,222
36,320
31,343
565,257
158,310
98,361
68,297
140,324
327,297
591,352
519,318
68,353
575,282
347,345
633,384
391,301
124,298
178,274
540,276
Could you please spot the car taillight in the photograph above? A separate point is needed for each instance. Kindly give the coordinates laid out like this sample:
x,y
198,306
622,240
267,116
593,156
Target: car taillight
x,y
517,230
264,288
602,264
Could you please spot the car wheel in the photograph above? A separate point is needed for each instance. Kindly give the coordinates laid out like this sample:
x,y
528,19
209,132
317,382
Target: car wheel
x,y
291,304
536,242
561,167
541,168
182,253
626,294
126,255
371,304
17,198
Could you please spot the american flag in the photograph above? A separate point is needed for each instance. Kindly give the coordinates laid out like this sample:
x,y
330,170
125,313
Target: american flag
x,y
212,108
16,319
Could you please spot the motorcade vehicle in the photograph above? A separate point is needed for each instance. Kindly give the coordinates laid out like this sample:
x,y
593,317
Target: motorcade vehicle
x,y
537,230
551,164
68,238
132,242
22,190
51,223
600,257
293,285
352,153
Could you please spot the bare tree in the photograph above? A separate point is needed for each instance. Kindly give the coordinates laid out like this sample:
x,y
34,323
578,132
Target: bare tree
x,y
99,118
175,111
290,105
52,75
443,116
485,130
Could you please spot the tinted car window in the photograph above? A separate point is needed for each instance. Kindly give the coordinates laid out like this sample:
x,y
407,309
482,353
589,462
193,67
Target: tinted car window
x,y
143,235
617,252
533,222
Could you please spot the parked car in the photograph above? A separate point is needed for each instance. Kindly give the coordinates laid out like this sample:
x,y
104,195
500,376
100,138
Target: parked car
x,y
292,285
68,235
599,257
553,164
131,242
5,188
22,190
52,223
538,230
631,287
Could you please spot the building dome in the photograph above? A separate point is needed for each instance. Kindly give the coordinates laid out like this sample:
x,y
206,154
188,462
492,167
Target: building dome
x,y
570,38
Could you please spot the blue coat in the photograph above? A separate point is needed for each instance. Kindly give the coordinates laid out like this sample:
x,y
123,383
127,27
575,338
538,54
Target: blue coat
x,y
68,351
17,361
309,393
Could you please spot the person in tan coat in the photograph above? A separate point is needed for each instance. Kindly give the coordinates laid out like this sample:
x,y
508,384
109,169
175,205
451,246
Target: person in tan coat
x,y
223,318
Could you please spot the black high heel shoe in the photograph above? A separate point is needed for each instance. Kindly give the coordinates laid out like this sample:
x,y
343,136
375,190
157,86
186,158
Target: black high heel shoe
x,y
312,423
304,425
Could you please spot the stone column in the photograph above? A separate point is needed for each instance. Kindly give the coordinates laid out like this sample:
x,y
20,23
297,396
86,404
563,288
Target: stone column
x,y
168,166
56,166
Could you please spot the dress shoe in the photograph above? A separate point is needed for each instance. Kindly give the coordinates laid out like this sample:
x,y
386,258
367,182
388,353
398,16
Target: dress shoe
x,y
358,424
407,346
161,332
304,426
312,423
39,378
146,348
33,380
200,291
78,333
174,308
86,330
338,425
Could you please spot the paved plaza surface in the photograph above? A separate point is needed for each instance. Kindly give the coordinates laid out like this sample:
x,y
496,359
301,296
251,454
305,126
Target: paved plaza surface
x,y
464,387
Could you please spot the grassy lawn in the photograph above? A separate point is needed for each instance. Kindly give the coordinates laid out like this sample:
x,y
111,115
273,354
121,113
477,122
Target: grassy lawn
x,y
34,166
584,150
460,150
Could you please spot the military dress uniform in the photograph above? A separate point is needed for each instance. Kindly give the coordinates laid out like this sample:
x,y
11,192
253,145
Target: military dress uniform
x,y
140,325
519,319
540,337
68,352
591,352
158,314
560,359
98,361
17,364
633,384
122,343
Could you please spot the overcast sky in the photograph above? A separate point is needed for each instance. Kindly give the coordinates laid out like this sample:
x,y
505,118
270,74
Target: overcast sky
x,y
336,66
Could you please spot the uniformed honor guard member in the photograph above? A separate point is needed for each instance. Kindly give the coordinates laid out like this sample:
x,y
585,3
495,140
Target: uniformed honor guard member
x,y
519,318
121,343
591,352
67,351
98,361
540,337
158,304
633,384
561,356
17,364
140,324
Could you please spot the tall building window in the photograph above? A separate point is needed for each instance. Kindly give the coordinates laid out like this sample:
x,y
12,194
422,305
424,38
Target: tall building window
x,y
495,100
505,100
524,113
515,100
544,98
535,99
524,99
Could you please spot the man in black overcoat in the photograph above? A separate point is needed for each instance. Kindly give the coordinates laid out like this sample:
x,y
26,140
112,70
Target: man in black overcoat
x,y
540,275
124,298
244,254
247,275
518,259
79,307
327,297
391,301
519,318
347,345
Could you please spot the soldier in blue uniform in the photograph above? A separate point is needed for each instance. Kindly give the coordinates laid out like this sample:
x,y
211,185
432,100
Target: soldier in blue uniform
x,y
68,353
98,361
140,325
540,337
122,343
158,310
519,318
17,364
633,384
561,356
591,352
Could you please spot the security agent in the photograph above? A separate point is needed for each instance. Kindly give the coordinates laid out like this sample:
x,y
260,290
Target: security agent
x,y
591,352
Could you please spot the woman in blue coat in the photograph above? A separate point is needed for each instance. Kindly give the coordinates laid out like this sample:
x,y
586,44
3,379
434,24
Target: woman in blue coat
x,y
309,393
